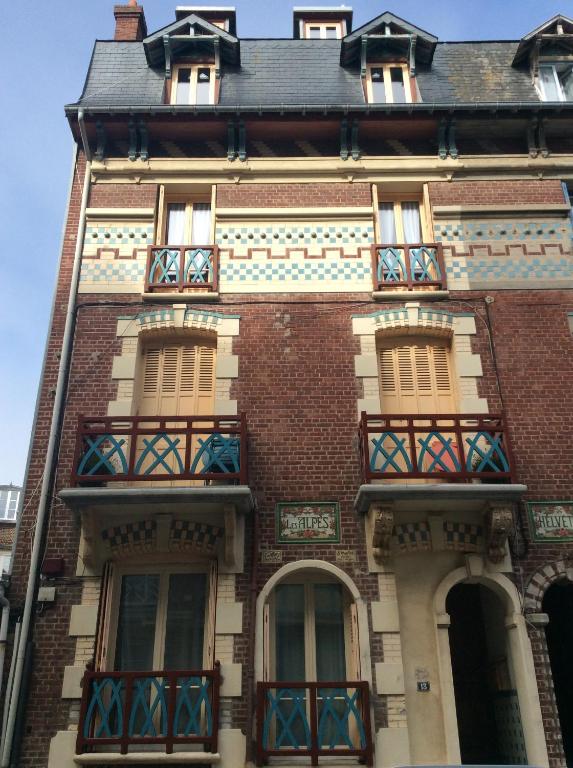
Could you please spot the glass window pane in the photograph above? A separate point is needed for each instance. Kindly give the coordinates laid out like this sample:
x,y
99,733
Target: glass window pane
x,y
136,622
289,632
175,231
185,624
203,86
3,504
183,86
566,81
314,32
329,631
331,33
377,81
387,223
411,222
398,87
201,224
548,83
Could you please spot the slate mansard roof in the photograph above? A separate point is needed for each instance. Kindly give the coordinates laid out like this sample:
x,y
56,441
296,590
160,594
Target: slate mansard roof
x,y
290,72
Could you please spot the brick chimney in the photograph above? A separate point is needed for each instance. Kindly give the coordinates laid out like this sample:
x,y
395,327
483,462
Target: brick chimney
x,y
129,21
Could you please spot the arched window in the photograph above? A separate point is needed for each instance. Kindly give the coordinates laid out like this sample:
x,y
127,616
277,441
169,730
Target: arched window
x,y
416,376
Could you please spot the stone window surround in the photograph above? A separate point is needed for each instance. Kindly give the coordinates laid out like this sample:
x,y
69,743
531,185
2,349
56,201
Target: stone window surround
x,y
413,319
132,329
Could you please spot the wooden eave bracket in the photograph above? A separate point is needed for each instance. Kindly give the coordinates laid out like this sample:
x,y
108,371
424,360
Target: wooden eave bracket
x,y
236,140
500,525
349,145
412,55
536,138
167,48
381,527
447,139
138,140
101,141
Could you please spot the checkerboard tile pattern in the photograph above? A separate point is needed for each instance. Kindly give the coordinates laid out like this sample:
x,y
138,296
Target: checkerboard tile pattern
x,y
413,537
186,535
359,270
295,235
131,538
463,537
96,271
513,231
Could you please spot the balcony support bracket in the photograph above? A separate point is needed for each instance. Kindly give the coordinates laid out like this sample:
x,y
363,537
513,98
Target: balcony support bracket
x,y
500,526
381,526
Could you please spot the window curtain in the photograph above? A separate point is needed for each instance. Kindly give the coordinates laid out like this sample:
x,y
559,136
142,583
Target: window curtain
x,y
175,233
387,223
411,222
201,224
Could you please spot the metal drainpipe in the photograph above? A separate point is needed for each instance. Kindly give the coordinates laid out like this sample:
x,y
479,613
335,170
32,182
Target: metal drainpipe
x,y
43,503
5,603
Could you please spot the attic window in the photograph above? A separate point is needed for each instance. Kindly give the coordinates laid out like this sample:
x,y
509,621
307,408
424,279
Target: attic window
x,y
556,81
318,30
193,84
388,84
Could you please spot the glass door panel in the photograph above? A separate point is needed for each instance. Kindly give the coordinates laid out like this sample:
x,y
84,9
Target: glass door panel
x,y
135,644
185,621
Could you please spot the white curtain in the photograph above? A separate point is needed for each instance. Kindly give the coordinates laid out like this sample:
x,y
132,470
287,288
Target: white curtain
x,y
411,222
201,224
387,223
175,234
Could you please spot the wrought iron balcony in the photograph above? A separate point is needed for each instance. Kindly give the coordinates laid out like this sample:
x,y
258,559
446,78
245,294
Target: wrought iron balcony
x,y
313,720
124,709
408,266
182,268
162,448
449,448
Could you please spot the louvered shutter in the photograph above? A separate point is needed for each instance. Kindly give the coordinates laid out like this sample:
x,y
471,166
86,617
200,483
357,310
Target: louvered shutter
x,y
101,662
416,378
354,672
211,613
178,380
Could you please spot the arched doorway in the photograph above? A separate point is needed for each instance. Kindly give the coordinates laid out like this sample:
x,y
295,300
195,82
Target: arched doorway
x,y
558,605
488,716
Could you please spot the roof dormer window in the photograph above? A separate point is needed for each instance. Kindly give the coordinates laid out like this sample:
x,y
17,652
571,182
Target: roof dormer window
x,y
323,31
388,84
556,81
193,84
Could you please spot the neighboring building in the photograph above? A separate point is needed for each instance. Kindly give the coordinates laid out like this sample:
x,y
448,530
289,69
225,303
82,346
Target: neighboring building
x,y
9,505
303,486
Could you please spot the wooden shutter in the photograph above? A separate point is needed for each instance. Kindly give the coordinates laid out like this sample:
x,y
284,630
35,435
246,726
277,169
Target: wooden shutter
x,y
416,378
178,380
211,614
101,662
355,671
266,643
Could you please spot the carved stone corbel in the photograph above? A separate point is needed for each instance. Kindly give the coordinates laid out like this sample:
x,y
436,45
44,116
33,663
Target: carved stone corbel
x,y
500,525
382,525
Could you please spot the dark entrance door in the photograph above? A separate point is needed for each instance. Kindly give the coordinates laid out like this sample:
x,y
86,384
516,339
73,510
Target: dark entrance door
x,y
558,604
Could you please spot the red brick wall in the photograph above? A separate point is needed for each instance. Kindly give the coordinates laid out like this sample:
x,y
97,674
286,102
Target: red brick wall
x,y
123,196
292,195
495,192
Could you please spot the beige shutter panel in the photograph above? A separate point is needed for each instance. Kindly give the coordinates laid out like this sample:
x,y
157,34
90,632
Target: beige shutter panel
x,y
211,614
205,381
355,671
416,378
266,643
101,661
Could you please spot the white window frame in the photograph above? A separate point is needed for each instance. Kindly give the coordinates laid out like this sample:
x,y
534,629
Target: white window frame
x,y
193,82
397,201
189,203
5,514
387,77
322,25
553,65
164,571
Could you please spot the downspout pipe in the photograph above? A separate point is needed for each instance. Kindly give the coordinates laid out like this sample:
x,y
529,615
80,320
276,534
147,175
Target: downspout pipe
x,y
49,466
5,603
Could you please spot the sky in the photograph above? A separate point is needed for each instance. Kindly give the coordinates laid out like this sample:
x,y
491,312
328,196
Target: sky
x,y
43,61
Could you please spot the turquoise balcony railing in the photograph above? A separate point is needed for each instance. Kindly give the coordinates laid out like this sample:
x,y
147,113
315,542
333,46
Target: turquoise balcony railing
x,y
448,448
162,448
325,719
182,268
125,709
408,266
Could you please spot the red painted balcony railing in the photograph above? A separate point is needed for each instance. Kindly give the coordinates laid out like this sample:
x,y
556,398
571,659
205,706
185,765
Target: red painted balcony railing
x,y
313,720
147,448
125,709
449,448
409,266
182,268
